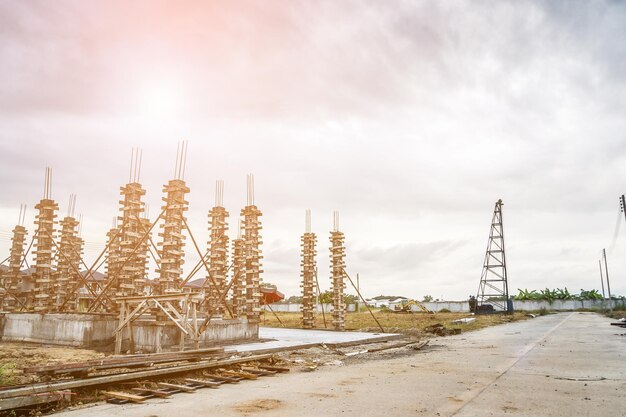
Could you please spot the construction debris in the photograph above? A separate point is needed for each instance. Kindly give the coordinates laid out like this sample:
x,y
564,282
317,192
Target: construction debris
x,y
24,396
464,320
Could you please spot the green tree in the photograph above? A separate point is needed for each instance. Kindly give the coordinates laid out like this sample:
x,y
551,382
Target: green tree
x,y
350,299
326,297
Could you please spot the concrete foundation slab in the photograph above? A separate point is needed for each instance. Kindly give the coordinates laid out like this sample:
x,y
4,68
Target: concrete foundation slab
x,y
285,338
217,332
96,330
84,330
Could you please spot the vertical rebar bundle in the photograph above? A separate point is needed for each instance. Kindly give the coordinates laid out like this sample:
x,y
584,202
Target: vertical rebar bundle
x,y
307,273
172,242
44,249
68,259
12,275
238,299
337,266
218,252
252,253
130,274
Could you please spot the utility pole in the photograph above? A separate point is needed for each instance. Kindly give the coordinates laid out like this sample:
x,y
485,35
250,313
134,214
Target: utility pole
x,y
601,279
608,285
622,205
358,288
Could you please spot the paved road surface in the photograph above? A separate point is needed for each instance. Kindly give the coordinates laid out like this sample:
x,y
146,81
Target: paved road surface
x,y
568,364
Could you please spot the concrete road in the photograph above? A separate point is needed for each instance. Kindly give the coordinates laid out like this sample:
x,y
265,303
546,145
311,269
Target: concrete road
x,y
568,364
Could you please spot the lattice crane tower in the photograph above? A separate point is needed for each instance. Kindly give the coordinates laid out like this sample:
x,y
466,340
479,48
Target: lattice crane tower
x,y
493,290
238,298
218,252
44,248
68,258
252,250
337,266
172,242
16,255
307,265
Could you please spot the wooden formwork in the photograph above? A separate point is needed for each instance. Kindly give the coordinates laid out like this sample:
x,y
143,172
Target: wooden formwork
x,y
238,297
12,275
307,273
337,265
68,264
252,251
172,241
44,299
130,274
112,260
218,255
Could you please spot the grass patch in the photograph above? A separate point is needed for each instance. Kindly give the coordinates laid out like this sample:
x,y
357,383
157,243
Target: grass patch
x,y
7,371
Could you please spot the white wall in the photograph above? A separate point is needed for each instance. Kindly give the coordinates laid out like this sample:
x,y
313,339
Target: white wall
x,y
463,306
295,308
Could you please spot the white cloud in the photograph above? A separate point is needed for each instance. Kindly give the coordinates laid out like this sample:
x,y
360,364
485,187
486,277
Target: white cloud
x,y
411,119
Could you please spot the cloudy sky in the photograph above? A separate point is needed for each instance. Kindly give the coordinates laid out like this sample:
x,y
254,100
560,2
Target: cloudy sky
x,y
410,118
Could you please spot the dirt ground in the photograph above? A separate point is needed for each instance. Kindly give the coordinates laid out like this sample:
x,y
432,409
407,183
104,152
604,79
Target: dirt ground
x,y
15,356
413,324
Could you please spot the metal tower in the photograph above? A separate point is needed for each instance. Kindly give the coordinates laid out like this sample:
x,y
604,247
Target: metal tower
x,y
493,291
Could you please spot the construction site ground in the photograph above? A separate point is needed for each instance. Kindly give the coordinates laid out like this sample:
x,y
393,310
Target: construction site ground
x,y
554,365
412,324
15,356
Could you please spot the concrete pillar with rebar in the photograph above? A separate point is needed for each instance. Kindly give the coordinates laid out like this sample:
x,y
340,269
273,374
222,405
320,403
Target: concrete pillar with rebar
x,y
252,253
172,242
44,291
307,273
218,252
238,291
68,259
16,257
337,265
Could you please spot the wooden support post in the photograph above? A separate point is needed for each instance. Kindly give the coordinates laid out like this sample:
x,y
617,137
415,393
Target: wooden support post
x,y
131,339
119,332
363,299
194,315
159,332
185,323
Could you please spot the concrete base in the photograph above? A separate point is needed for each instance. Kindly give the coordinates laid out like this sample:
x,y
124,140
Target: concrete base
x,y
83,330
96,330
218,332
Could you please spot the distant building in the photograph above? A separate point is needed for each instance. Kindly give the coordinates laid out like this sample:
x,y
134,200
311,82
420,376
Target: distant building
x,y
385,301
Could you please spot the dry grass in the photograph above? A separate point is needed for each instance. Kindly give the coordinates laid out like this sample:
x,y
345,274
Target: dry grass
x,y
412,324
15,356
